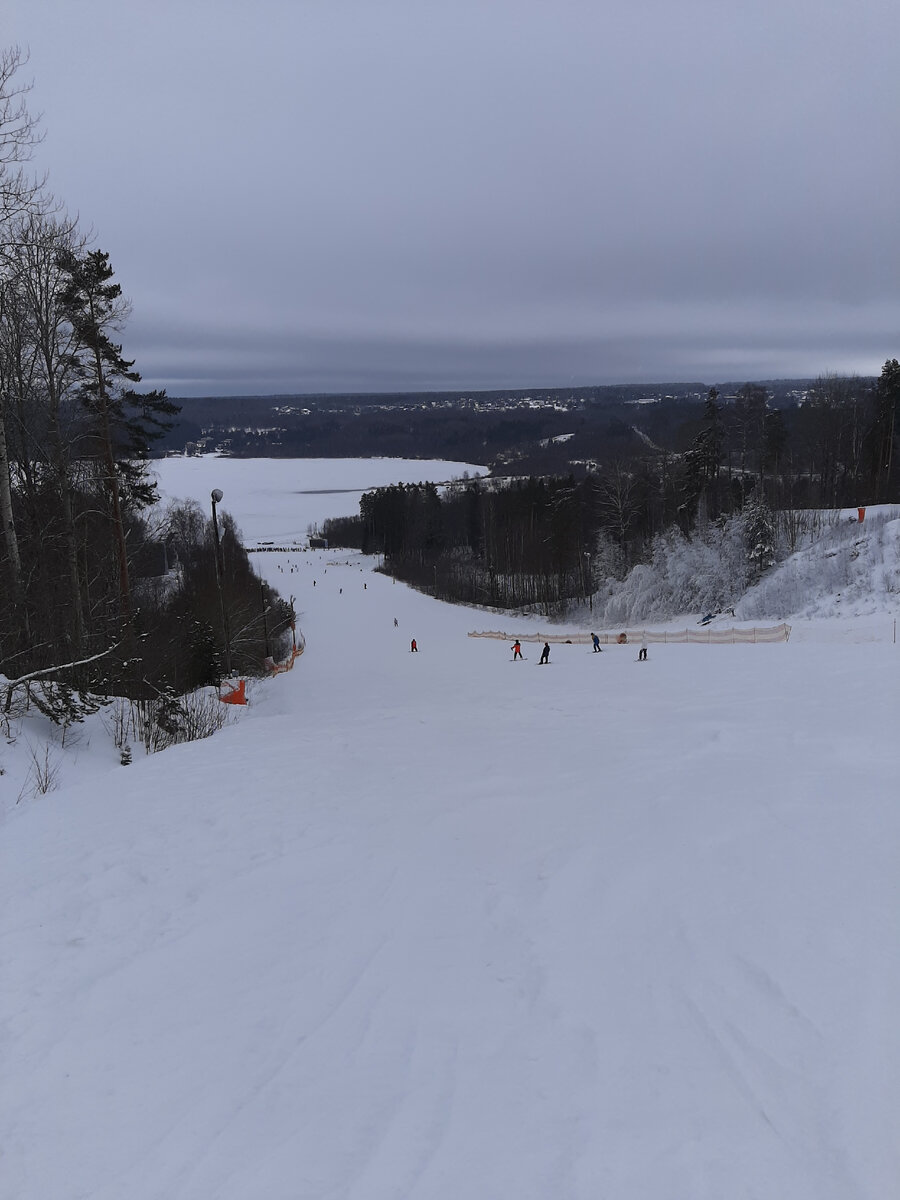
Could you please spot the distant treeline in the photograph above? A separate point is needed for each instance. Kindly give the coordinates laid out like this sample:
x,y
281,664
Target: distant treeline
x,y
498,437
540,433
257,410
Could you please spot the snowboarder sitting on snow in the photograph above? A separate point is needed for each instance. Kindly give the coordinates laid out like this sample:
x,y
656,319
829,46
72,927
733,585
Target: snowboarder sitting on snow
x,y
596,642
545,653
517,649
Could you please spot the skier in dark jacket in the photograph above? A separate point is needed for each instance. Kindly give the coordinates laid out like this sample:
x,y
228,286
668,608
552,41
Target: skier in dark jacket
x,y
545,653
596,642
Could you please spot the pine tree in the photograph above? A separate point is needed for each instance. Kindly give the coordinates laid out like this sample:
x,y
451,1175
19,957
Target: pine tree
x,y
774,441
887,399
714,444
120,423
702,461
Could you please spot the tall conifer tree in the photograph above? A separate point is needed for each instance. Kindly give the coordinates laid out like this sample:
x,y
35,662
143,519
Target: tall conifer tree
x,y
120,423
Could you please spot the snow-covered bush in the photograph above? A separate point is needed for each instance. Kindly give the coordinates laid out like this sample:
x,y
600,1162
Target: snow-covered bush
x,y
167,720
706,572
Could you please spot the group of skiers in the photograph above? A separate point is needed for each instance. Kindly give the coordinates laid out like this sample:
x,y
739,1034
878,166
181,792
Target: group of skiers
x,y
545,653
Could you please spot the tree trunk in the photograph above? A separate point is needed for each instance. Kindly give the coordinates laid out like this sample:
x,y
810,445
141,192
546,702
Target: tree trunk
x,y
10,539
6,513
63,484
113,484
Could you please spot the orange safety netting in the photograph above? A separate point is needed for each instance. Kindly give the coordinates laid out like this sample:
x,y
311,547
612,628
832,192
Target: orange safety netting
x,y
297,649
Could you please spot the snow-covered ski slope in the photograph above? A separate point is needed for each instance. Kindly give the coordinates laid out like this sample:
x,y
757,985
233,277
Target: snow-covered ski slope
x,y
438,926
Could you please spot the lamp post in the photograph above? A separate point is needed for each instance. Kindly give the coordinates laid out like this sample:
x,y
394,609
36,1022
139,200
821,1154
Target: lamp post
x,y
216,496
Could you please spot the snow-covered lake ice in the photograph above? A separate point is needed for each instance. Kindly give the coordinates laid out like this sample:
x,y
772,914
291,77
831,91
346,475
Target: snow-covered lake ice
x,y
276,499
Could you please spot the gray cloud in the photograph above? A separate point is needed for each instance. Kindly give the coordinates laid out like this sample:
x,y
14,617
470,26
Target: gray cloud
x,y
359,195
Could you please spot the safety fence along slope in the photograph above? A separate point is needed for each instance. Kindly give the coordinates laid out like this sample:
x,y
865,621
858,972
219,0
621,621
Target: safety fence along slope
x,y
719,637
298,645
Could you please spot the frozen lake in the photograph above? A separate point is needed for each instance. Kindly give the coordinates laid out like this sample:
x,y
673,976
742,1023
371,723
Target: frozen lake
x,y
276,499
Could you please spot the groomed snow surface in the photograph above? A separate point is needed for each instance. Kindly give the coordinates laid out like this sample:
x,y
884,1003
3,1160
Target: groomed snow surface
x,y
435,926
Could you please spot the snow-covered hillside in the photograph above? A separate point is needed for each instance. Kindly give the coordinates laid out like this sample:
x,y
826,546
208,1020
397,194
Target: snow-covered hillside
x,y
824,565
431,926
849,569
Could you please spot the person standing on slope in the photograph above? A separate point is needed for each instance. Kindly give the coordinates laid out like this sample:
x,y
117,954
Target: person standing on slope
x,y
517,649
596,642
642,653
413,648
545,654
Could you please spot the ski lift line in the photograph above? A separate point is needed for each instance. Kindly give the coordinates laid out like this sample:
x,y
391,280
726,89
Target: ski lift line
x,y
713,637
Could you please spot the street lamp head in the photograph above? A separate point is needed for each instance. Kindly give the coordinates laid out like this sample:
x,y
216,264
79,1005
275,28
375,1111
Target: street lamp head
x,y
216,495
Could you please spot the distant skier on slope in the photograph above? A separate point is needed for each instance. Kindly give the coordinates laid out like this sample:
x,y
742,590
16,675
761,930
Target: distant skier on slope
x,y
545,654
413,648
596,642
642,653
517,649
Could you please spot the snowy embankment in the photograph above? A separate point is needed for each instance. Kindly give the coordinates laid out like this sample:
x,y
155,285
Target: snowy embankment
x,y
433,926
850,569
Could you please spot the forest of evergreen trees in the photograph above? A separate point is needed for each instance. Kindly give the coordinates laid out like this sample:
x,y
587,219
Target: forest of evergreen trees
x,y
541,543
87,602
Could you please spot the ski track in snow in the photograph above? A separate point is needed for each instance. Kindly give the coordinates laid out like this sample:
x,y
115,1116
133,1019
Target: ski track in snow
x,y
429,926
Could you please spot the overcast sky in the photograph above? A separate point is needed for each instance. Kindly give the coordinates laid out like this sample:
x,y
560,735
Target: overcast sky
x,y
371,195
